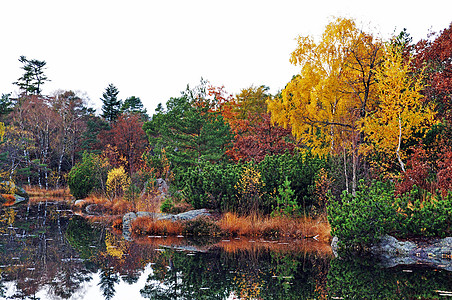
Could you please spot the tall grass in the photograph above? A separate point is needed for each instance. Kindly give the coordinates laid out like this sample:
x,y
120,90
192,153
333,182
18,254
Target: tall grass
x,y
151,226
255,225
231,225
35,193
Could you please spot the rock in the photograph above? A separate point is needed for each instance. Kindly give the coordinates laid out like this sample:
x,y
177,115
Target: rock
x,y
21,192
93,209
393,252
186,216
126,221
390,246
162,185
192,214
79,202
19,199
7,187
334,245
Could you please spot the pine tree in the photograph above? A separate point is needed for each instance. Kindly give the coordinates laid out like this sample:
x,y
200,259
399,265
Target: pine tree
x,y
111,104
134,105
30,83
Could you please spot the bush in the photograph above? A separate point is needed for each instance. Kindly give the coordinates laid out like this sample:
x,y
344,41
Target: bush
x,y
118,182
359,221
216,186
81,178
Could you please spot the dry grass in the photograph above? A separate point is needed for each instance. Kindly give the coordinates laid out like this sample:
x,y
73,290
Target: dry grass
x,y
107,207
255,226
53,194
232,225
150,226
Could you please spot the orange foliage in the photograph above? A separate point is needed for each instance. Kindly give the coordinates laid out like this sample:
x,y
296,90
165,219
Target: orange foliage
x,y
10,199
151,226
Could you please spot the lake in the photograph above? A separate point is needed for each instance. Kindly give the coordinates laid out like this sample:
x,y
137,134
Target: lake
x,y
47,252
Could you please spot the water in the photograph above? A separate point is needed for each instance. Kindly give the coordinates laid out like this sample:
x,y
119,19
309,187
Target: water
x,y
46,252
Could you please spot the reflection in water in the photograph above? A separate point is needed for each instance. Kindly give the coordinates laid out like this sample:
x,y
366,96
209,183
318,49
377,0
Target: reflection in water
x,y
48,253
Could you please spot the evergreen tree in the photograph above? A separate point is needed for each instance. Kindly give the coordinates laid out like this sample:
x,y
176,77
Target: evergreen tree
x,y
33,77
190,130
134,105
6,105
111,104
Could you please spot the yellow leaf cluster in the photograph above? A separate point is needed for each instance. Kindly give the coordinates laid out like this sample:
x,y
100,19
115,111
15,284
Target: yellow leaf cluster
x,y
117,182
401,112
2,131
323,102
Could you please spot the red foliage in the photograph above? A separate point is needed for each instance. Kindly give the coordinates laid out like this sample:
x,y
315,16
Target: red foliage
x,y
444,174
261,139
128,142
417,173
436,56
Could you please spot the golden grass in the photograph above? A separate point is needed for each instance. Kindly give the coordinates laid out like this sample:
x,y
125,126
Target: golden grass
x,y
36,192
255,225
231,225
108,207
150,226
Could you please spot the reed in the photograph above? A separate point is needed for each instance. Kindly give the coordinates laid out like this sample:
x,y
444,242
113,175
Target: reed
x,y
255,225
36,192
151,226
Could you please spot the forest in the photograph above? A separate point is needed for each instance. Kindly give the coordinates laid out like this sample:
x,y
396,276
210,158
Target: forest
x,y
361,136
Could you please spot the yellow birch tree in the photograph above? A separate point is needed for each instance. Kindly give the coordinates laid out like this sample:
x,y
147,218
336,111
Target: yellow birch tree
x,y
401,112
333,91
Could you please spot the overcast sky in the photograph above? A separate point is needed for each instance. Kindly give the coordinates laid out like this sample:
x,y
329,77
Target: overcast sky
x,y
153,49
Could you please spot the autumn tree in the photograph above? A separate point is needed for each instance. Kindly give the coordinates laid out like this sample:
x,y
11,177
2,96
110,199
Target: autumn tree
x,y
334,90
71,113
400,113
33,78
111,105
128,138
190,129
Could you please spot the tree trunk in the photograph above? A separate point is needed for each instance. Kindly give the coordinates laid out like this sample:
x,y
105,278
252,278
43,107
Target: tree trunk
x,y
398,146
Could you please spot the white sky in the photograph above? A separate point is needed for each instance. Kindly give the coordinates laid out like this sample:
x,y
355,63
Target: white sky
x,y
152,49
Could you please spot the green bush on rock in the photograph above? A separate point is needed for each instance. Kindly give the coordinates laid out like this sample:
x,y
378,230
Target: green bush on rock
x,y
359,221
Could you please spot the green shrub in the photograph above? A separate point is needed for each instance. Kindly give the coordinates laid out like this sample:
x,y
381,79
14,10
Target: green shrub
x,y
360,220
88,174
429,217
167,205
214,186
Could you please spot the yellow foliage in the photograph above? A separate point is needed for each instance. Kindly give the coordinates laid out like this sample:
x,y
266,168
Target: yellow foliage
x,y
2,131
401,112
323,103
115,246
249,189
117,182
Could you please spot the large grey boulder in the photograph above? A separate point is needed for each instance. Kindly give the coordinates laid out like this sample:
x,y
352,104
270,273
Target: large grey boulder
x,y
128,218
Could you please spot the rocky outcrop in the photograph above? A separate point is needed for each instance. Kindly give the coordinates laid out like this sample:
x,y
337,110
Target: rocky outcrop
x,y
392,252
128,218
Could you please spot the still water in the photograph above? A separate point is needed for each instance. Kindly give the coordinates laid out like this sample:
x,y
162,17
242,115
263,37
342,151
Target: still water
x,y
47,252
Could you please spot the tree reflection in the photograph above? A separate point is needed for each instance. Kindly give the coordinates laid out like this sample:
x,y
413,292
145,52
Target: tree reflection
x,y
363,278
108,279
248,274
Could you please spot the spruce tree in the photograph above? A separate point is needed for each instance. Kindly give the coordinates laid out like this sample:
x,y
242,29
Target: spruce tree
x,y
111,106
